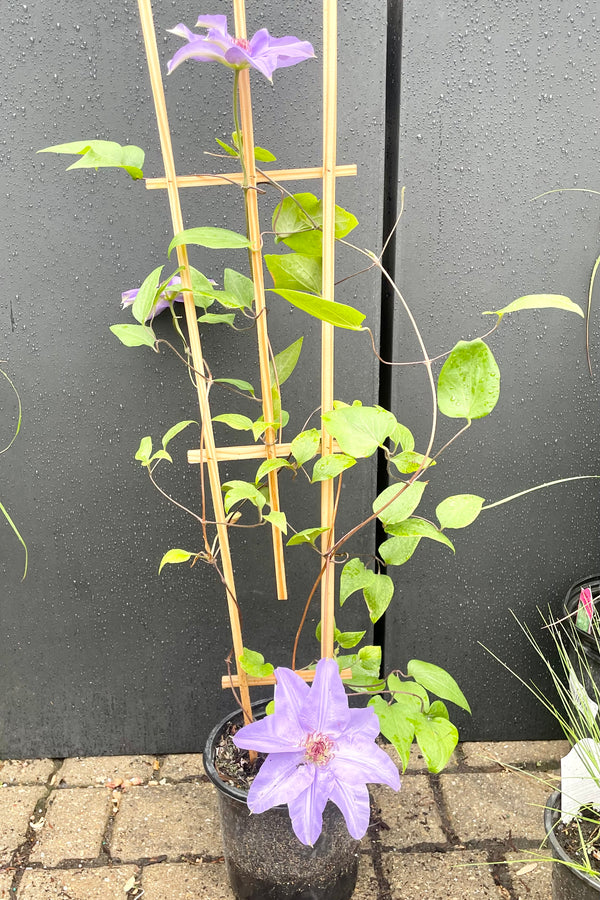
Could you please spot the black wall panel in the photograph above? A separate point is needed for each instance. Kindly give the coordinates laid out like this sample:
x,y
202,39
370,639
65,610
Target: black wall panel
x,y
499,104
97,653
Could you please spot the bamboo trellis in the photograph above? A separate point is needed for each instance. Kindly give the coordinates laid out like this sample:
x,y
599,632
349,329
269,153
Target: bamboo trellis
x,y
208,454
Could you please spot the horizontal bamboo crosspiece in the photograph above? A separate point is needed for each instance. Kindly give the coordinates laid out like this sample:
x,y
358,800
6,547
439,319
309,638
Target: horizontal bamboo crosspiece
x,y
186,181
229,681
247,451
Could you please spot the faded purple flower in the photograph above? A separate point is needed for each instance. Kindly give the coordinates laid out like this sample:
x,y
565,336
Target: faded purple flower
x,y
162,302
319,750
261,52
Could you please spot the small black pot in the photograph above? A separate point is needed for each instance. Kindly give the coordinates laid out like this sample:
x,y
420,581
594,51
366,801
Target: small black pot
x,y
265,860
567,883
588,642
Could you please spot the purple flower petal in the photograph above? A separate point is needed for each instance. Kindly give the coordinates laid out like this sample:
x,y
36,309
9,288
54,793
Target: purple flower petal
x,y
364,722
218,23
261,52
280,779
327,712
353,802
362,760
306,809
273,734
291,692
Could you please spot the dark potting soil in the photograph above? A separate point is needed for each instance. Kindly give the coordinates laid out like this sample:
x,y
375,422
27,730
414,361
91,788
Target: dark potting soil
x,y
233,764
586,830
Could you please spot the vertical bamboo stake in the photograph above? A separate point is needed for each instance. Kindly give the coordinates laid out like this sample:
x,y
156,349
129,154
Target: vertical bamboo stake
x,y
259,292
147,22
327,358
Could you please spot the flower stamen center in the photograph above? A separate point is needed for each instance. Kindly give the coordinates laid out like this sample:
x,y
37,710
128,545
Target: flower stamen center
x,y
319,748
241,42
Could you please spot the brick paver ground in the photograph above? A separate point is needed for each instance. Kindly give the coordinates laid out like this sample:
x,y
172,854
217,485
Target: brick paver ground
x,y
140,828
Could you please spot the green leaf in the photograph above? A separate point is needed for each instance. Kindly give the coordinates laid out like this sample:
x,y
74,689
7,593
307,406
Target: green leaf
x,y
402,506
438,681
240,287
438,710
295,270
277,518
469,381
235,491
398,550
6,515
295,228
144,451
408,693
337,314
360,430
349,639
214,238
271,465
408,462
331,466
306,536
146,296
538,301
306,445
437,738
230,150
378,594
175,429
134,335
103,154
238,383
365,667
253,663
459,510
174,556
285,362
270,708
396,726
161,454
419,528
263,155
235,421
355,576
217,318
403,436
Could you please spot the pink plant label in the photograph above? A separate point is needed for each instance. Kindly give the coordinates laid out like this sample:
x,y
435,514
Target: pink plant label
x,y
585,610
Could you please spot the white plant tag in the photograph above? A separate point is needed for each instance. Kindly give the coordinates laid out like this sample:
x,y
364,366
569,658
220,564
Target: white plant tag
x,y
580,778
580,696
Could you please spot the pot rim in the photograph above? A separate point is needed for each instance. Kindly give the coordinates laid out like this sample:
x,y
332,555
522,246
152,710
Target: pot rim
x,y
552,807
208,754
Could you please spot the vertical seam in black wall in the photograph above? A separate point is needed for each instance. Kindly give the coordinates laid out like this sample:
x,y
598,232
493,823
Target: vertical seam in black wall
x,y
390,212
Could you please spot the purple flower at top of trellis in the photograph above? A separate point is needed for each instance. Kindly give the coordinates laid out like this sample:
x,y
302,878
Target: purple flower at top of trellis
x,y
261,52
319,749
162,302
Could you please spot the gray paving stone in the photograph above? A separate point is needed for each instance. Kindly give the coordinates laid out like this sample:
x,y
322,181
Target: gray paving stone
x,y
171,820
496,805
531,880
103,883
5,883
411,813
75,822
202,881
182,765
485,754
439,876
95,770
25,771
17,804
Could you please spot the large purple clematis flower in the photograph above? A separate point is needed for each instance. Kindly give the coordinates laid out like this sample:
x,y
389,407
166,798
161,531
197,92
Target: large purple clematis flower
x,y
319,750
128,297
261,52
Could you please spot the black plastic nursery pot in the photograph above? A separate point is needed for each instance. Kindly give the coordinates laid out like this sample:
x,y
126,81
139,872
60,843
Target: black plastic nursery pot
x,y
588,642
567,883
265,860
